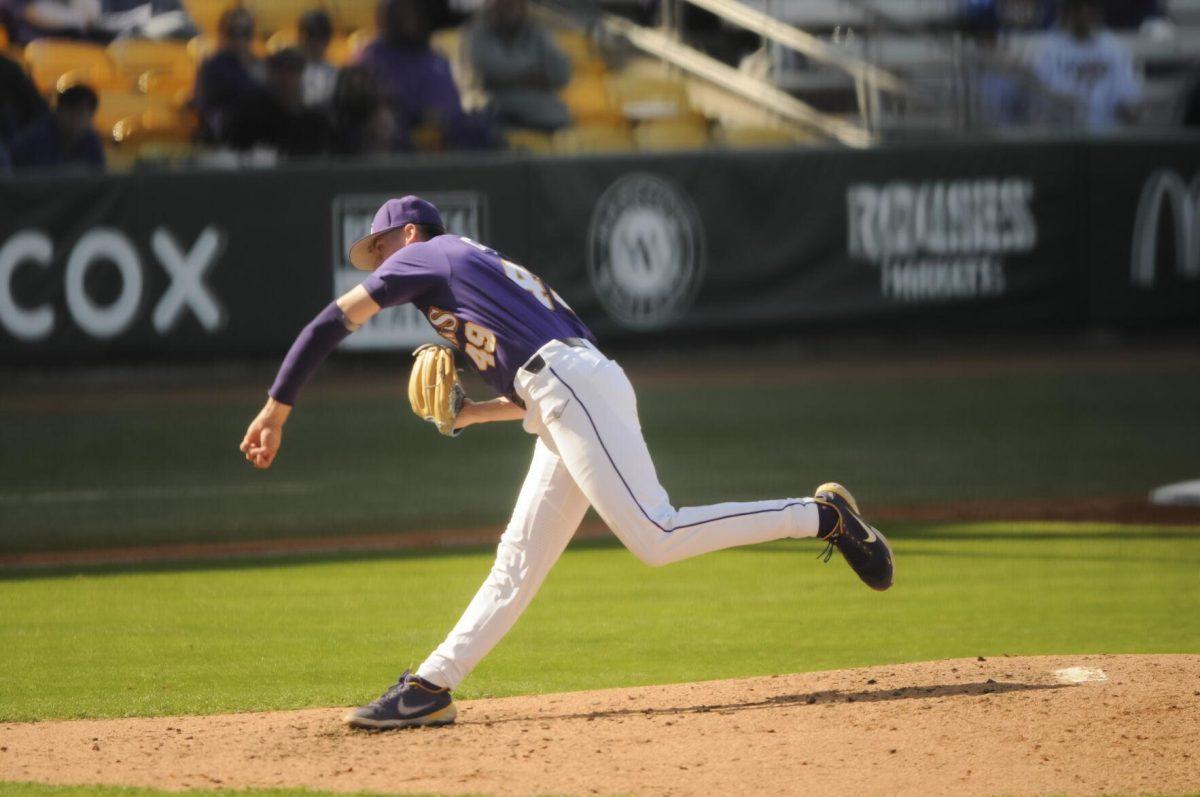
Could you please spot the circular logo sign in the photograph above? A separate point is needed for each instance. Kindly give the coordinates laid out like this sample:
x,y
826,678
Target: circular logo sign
x,y
645,251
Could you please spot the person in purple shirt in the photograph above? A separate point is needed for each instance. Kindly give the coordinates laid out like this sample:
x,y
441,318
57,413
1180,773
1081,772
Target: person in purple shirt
x,y
228,77
531,349
416,82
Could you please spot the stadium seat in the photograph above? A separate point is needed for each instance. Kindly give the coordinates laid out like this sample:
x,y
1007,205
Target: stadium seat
x,y
275,15
643,97
592,138
207,13
352,15
589,101
118,105
3,38
170,86
524,140
338,53
153,124
667,135
55,64
135,57
758,137
577,47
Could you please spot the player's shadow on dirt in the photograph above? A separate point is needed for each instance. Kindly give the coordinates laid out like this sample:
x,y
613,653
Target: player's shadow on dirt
x,y
804,699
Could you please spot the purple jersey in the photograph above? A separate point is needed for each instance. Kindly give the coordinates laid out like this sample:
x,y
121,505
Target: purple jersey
x,y
496,312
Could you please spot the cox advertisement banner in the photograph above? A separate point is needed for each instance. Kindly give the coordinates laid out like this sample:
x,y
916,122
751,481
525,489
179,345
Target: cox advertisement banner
x,y
214,263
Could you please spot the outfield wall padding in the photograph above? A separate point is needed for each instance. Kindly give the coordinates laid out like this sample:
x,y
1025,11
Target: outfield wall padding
x,y
1068,234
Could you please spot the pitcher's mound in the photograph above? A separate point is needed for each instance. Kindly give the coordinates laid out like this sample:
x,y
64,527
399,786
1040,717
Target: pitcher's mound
x,y
1003,726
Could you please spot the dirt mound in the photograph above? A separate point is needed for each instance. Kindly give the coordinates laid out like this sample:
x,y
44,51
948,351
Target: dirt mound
x,y
1012,726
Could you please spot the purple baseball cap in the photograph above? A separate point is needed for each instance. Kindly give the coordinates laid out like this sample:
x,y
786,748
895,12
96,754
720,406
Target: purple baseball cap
x,y
394,214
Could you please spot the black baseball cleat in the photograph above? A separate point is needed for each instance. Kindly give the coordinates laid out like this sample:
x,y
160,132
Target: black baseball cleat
x,y
409,702
865,549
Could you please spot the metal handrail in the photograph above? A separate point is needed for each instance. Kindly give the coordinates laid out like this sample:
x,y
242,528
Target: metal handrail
x,y
703,66
802,42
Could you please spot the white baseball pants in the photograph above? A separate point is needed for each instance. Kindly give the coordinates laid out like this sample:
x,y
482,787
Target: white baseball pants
x,y
590,451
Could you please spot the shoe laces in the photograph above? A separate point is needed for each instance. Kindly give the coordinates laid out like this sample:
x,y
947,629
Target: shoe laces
x,y
393,691
838,531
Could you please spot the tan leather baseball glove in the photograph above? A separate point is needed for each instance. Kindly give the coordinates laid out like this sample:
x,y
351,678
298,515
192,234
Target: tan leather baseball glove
x,y
433,387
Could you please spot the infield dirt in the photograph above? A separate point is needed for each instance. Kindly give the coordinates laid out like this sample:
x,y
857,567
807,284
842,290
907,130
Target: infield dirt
x,y
994,726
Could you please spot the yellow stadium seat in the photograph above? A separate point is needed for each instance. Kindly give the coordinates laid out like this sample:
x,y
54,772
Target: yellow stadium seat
x,y
201,47
352,15
118,105
667,135
142,137
589,101
338,53
592,138
207,13
525,140
577,47
275,15
153,124
642,97
170,86
760,137
135,57
57,63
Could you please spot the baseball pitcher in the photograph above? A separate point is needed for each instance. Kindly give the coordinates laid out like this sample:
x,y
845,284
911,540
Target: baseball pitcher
x,y
534,352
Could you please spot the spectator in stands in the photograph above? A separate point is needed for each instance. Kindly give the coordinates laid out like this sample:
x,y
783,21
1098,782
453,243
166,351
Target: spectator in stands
x,y
416,82
74,19
515,60
316,31
275,116
363,125
1083,64
999,88
20,102
228,76
63,138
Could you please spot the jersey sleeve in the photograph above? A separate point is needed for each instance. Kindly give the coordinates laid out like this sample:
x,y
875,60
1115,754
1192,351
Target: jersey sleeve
x,y
406,275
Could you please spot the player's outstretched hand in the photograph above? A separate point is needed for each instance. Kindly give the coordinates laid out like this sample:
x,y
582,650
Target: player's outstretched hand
x,y
265,435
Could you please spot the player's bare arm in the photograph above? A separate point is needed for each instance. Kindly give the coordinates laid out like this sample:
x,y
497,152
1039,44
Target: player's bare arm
x,y
498,409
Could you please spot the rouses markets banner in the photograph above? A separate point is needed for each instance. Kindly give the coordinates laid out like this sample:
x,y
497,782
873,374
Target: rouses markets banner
x,y
978,234
219,263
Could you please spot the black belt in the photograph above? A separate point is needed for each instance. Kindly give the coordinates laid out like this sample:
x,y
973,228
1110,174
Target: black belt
x,y
536,363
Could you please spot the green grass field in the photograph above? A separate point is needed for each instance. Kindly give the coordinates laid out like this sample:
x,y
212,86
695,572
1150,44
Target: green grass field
x,y
293,634
94,466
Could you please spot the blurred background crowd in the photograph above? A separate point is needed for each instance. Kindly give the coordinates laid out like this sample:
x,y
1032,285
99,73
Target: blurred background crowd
x,y
110,83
